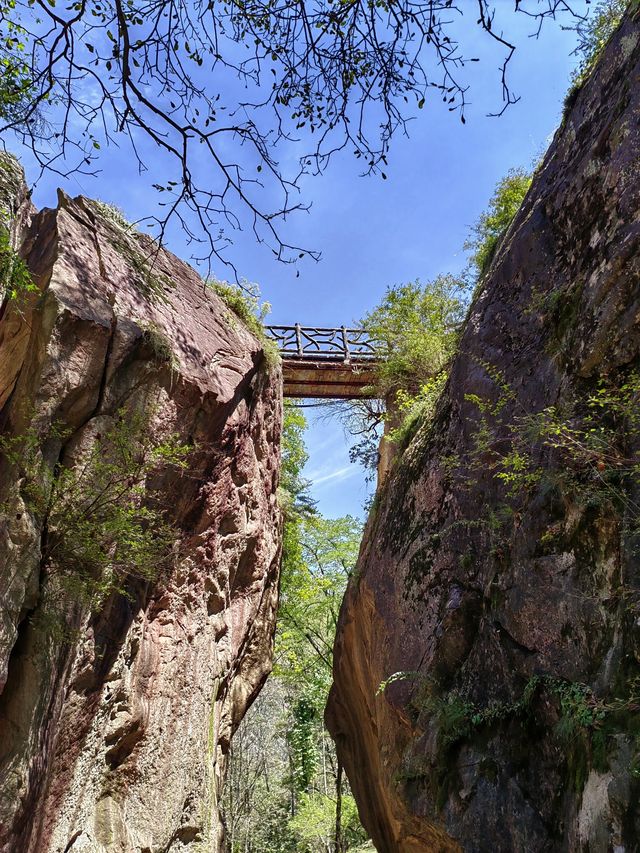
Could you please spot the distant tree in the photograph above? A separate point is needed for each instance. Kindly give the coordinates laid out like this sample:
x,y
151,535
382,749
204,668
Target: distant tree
x,y
294,487
313,825
202,80
312,588
257,805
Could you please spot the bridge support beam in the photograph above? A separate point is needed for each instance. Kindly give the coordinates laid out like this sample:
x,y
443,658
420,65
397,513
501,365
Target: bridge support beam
x,y
388,450
325,379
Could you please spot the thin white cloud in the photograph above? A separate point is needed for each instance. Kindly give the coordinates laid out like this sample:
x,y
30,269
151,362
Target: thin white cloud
x,y
340,474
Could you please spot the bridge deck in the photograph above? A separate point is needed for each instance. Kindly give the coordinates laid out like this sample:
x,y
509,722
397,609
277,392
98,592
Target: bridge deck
x,y
325,363
327,380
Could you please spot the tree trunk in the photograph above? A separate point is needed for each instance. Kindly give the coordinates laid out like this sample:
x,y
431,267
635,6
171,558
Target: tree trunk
x,y
338,835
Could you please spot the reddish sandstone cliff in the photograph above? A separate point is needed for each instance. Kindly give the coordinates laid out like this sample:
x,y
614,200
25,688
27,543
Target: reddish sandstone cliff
x,y
114,731
513,618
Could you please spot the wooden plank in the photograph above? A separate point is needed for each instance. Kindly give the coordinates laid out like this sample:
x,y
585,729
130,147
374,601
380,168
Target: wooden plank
x,y
327,380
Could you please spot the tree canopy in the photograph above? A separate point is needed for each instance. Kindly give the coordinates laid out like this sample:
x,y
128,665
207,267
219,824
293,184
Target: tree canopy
x,y
416,327
224,89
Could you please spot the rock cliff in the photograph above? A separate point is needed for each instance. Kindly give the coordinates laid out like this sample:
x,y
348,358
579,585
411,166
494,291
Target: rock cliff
x,y
498,583
120,693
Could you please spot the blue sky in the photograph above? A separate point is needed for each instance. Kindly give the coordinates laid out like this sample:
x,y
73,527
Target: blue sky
x,y
374,233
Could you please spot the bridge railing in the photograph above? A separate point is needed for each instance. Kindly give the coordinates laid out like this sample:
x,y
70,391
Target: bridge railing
x,y
320,344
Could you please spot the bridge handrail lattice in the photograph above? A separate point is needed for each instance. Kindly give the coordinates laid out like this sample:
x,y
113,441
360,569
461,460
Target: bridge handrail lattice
x,y
322,344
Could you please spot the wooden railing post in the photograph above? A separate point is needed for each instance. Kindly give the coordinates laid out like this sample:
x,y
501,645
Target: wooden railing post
x,y
345,344
324,344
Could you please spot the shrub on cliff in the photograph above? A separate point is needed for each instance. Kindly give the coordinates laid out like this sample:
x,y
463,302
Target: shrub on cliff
x,y
244,302
105,523
15,279
426,324
493,223
594,33
415,328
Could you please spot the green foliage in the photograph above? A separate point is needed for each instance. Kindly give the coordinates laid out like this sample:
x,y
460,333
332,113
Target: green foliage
x,y
115,216
257,801
244,302
302,738
313,825
582,452
319,555
593,35
415,409
15,279
140,251
416,330
315,571
16,78
104,524
585,453
582,717
579,707
293,458
159,343
590,438
402,675
293,493
313,581
494,222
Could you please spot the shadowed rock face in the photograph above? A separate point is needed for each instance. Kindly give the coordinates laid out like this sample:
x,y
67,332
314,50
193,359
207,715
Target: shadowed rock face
x,y
114,735
473,602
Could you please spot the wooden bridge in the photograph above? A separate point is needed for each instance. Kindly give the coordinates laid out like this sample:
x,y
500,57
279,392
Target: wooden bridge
x,y
326,363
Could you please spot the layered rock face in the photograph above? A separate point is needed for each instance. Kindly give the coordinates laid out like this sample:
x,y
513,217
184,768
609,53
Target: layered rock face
x,y
507,606
117,708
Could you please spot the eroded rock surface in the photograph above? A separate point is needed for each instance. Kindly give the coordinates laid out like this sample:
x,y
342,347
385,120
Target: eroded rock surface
x,y
114,731
513,620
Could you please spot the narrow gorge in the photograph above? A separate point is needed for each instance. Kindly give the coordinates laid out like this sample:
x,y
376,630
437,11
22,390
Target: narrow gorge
x,y
486,691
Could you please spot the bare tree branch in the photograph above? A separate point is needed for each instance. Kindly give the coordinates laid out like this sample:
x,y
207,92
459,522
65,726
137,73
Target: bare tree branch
x,y
225,90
